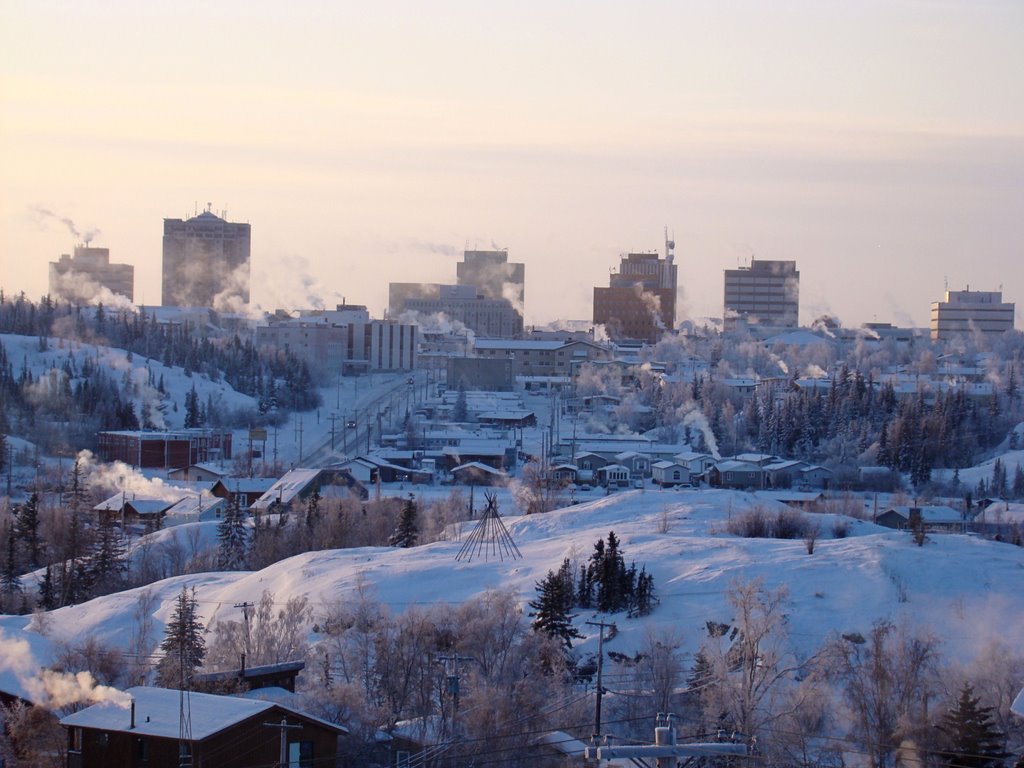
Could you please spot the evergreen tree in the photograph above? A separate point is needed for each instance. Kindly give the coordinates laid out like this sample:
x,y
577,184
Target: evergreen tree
x,y
550,613
974,739
644,599
585,588
313,509
74,584
232,538
10,583
47,591
408,531
183,644
1018,482
27,529
107,564
192,413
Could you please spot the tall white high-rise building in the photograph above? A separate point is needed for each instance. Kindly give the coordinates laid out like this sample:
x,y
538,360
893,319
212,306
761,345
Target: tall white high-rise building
x,y
205,263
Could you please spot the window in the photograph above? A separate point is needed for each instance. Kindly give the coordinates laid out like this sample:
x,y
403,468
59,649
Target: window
x,y
401,759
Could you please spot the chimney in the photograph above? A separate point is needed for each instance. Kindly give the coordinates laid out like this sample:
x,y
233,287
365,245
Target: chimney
x,y
131,725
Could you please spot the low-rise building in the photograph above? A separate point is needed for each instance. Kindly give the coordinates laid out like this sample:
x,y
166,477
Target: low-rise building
x,y
168,449
971,312
670,473
145,729
342,341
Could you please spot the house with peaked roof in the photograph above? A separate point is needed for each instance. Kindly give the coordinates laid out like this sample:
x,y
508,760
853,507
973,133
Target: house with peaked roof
x,y
476,473
226,731
734,473
670,473
934,518
613,476
638,464
300,484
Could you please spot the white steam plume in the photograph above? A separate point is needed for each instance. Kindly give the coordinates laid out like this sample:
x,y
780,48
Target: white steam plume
x,y
652,303
816,372
696,419
49,688
79,288
118,476
86,235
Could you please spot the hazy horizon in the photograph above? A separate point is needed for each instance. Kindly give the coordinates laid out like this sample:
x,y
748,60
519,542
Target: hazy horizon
x,y
879,145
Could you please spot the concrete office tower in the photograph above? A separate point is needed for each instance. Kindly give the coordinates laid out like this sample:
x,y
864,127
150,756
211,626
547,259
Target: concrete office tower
x,y
465,304
494,275
640,300
206,263
767,293
969,311
82,277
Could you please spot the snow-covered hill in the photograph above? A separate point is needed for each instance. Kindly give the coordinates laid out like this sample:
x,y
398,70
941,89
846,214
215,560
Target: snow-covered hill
x,y
139,376
965,590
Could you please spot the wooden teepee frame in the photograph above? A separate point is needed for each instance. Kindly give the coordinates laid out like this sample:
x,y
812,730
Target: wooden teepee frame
x,y
490,537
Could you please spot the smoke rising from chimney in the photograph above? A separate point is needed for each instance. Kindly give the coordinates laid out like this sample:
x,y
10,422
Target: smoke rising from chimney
x,y
85,235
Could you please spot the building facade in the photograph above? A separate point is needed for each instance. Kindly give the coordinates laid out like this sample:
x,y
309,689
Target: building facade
x,y
167,450
491,318
540,358
640,300
494,276
344,340
968,312
206,263
767,293
78,278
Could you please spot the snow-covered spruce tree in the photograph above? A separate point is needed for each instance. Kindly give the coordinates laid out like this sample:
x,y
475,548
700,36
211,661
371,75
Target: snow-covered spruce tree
x,y
407,531
974,739
232,538
551,610
106,561
10,582
183,644
27,529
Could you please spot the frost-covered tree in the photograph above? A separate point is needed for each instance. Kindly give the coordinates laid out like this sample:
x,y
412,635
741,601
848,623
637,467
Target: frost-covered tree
x,y
407,532
107,564
551,607
232,538
183,645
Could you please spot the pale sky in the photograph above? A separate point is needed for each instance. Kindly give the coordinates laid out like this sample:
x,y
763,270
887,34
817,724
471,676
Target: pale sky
x,y
880,144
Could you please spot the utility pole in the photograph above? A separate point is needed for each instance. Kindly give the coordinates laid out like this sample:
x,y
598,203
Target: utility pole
x,y
333,418
285,726
451,666
300,441
600,665
246,608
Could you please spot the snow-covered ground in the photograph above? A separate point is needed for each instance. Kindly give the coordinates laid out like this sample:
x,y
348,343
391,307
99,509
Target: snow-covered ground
x,y
963,589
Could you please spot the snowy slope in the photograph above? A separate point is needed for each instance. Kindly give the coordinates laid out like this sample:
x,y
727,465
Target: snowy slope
x,y
141,374
962,588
